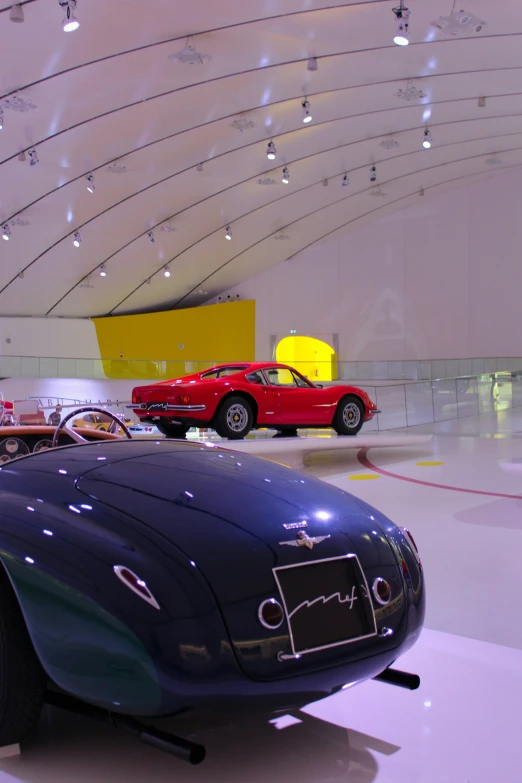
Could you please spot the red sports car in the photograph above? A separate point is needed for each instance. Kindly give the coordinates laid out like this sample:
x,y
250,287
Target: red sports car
x,y
236,398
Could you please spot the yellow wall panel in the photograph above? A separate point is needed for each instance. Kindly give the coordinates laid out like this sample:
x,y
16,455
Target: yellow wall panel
x,y
175,342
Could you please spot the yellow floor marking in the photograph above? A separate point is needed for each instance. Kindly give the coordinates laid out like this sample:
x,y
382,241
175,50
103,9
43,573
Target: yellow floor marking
x,y
364,477
428,464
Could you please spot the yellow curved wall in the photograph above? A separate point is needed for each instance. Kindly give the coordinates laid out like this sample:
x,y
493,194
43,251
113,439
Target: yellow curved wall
x,y
313,358
176,342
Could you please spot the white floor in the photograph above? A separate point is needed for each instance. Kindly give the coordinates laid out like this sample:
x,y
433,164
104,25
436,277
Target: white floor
x,y
462,726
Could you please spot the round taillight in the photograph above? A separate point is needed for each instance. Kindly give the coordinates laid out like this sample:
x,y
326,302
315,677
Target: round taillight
x,y
381,591
271,614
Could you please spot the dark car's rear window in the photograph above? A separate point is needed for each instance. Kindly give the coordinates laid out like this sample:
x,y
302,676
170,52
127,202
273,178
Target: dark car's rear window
x,y
223,372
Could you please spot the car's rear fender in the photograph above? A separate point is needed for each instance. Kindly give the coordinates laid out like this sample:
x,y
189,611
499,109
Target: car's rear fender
x,y
239,393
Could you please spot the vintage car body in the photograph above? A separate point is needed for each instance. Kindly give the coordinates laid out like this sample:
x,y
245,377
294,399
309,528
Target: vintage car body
x,y
235,398
215,542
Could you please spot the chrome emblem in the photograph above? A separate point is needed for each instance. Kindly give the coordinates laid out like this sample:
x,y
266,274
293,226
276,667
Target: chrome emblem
x,y
302,539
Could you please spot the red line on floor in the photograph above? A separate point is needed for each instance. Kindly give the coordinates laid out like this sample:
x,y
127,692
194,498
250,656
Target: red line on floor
x,y
365,462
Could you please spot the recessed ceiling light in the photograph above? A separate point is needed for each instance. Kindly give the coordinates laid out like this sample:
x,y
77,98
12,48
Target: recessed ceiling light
x,y
189,55
458,24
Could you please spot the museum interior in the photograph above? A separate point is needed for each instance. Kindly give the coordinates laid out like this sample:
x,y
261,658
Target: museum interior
x,y
260,391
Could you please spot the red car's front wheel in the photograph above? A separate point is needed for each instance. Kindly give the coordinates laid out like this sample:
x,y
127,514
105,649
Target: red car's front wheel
x,y
349,416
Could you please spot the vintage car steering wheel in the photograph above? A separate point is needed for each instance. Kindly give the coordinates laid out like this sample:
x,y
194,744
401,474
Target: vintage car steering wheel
x,y
63,426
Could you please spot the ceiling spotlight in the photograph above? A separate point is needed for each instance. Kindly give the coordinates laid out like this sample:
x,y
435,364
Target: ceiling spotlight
x,y
199,167
459,23
312,64
151,237
70,23
389,143
373,174
77,240
90,183
325,183
6,232
346,181
271,151
421,191
286,176
167,271
103,271
228,234
21,275
482,102
33,157
189,55
402,15
307,117
17,13
1,118
21,156
427,139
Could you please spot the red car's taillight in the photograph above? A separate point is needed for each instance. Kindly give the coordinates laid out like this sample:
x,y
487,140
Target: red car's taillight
x,y
183,400
136,398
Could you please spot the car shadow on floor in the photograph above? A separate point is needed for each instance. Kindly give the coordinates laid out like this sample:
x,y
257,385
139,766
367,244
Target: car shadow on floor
x,y
257,747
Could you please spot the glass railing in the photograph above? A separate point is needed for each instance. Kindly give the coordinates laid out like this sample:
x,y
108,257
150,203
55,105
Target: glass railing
x,y
401,404
138,369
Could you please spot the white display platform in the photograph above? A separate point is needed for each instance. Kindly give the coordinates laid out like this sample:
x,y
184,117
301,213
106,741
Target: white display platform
x,y
295,452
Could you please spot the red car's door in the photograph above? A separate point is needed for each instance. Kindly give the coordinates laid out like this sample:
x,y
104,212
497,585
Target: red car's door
x,y
299,403
265,396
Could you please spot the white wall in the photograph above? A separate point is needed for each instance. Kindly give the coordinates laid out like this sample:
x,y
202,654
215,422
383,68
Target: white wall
x,y
441,279
70,338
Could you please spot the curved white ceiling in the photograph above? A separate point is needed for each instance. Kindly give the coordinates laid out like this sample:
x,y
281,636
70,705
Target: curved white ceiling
x,y
108,95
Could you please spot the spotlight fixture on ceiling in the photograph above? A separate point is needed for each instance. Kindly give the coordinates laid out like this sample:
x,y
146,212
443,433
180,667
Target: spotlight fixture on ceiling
x,y
427,141
402,16
199,167
346,181
90,183
228,233
16,13
21,275
189,55
421,191
70,22
325,183
167,271
21,156
77,240
271,151
373,173
103,271
458,24
312,64
147,281
410,93
482,102
286,176
243,123
389,143
1,118
151,237
6,232
33,157
307,117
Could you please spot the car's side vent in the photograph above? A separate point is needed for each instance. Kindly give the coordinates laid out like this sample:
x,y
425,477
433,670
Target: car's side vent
x,y
134,583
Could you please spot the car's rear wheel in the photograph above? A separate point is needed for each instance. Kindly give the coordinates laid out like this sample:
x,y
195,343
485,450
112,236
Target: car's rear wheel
x,y
172,429
349,416
22,679
234,418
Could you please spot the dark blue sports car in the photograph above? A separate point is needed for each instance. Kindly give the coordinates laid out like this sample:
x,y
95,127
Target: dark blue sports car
x,y
147,577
